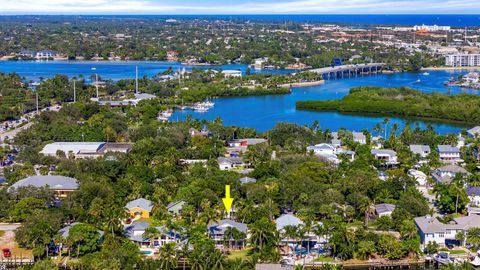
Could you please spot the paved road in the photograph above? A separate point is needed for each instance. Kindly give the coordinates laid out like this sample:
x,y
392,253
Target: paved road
x,y
12,133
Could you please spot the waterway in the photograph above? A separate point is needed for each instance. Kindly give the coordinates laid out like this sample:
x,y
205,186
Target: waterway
x,y
263,112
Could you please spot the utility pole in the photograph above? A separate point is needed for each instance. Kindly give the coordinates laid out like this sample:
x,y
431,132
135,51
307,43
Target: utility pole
x,y
96,84
136,79
74,92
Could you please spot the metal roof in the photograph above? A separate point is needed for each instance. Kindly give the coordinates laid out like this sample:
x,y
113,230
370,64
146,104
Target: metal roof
x,y
140,203
54,182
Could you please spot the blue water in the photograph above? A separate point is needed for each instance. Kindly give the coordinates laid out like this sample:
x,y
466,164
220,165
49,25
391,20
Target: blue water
x,y
33,70
454,20
262,113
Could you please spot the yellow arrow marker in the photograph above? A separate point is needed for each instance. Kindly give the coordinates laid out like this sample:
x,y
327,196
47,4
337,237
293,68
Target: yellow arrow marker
x,y
227,201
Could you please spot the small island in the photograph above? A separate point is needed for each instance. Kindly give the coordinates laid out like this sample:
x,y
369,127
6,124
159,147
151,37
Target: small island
x,y
401,102
471,80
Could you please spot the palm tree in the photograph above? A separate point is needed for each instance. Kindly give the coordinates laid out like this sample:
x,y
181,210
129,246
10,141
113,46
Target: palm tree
x,y
473,236
168,255
218,262
291,232
366,207
151,233
228,235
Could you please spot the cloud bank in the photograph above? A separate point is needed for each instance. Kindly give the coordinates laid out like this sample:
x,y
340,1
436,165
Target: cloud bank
x,y
239,7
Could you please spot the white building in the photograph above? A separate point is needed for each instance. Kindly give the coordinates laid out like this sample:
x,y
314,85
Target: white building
x,y
446,173
330,152
384,209
359,137
232,73
449,154
431,229
431,28
386,155
462,60
422,150
419,176
473,132
82,150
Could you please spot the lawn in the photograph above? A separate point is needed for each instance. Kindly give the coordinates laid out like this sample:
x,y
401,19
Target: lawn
x,y
457,251
2,233
322,258
238,254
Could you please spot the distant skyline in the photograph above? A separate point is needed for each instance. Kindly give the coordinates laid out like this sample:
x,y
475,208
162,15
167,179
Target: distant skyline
x,y
165,7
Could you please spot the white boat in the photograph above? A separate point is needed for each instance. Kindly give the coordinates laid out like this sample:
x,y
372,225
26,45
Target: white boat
x,y
476,261
426,74
419,80
200,108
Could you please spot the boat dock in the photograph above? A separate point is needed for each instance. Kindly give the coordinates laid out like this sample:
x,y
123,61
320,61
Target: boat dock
x,y
346,71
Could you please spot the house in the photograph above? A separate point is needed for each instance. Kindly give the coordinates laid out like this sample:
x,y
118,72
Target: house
x,y
431,229
330,152
175,208
384,209
45,54
474,196
473,132
246,180
449,154
61,185
232,73
65,231
238,146
422,150
389,157
230,163
287,220
26,53
359,137
218,229
140,207
136,233
446,173
84,150
335,141
419,176
194,132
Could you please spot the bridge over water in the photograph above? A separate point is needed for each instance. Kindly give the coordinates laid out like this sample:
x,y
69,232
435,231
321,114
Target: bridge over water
x,y
348,70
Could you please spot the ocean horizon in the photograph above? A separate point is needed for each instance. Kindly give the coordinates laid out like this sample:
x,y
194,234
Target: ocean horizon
x,y
454,20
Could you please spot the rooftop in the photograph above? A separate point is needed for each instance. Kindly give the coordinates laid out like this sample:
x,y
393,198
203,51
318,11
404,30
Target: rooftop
x,y
54,182
140,203
447,149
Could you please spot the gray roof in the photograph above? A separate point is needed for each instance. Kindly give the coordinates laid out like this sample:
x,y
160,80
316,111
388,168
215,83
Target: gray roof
x,y
144,96
287,220
172,204
54,182
230,160
358,136
419,149
447,149
130,230
65,231
321,146
474,131
140,203
222,225
249,141
384,208
383,152
453,169
247,179
473,191
429,224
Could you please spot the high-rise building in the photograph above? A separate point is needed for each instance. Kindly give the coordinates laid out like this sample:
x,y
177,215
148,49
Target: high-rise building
x,y
462,60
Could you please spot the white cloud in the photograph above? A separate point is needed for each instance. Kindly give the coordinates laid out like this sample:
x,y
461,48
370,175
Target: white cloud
x,y
251,7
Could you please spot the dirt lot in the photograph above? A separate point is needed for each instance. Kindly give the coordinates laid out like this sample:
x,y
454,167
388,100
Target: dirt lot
x,y
7,240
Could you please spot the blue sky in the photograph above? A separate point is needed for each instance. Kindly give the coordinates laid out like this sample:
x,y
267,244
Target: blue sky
x,y
239,6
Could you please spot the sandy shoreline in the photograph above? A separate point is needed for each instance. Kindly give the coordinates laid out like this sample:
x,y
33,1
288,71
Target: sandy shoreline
x,y
302,84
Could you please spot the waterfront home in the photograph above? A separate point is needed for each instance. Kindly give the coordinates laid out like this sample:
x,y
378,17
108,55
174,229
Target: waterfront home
x,y
431,229
419,176
220,231
384,209
473,132
287,220
45,54
176,208
140,208
232,73
238,146
64,233
474,196
84,150
330,152
460,141
246,180
194,133
387,156
449,154
422,150
138,233
60,185
26,53
335,141
230,163
359,137
446,173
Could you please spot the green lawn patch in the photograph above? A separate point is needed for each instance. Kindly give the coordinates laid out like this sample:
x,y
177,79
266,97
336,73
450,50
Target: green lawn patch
x,y
238,254
323,258
2,233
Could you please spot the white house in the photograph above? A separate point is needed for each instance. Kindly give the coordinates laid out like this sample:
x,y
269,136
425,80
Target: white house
x,y
420,176
474,196
473,132
449,154
389,157
330,152
82,150
446,173
384,209
217,231
136,233
431,229
232,73
359,137
422,150
230,163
